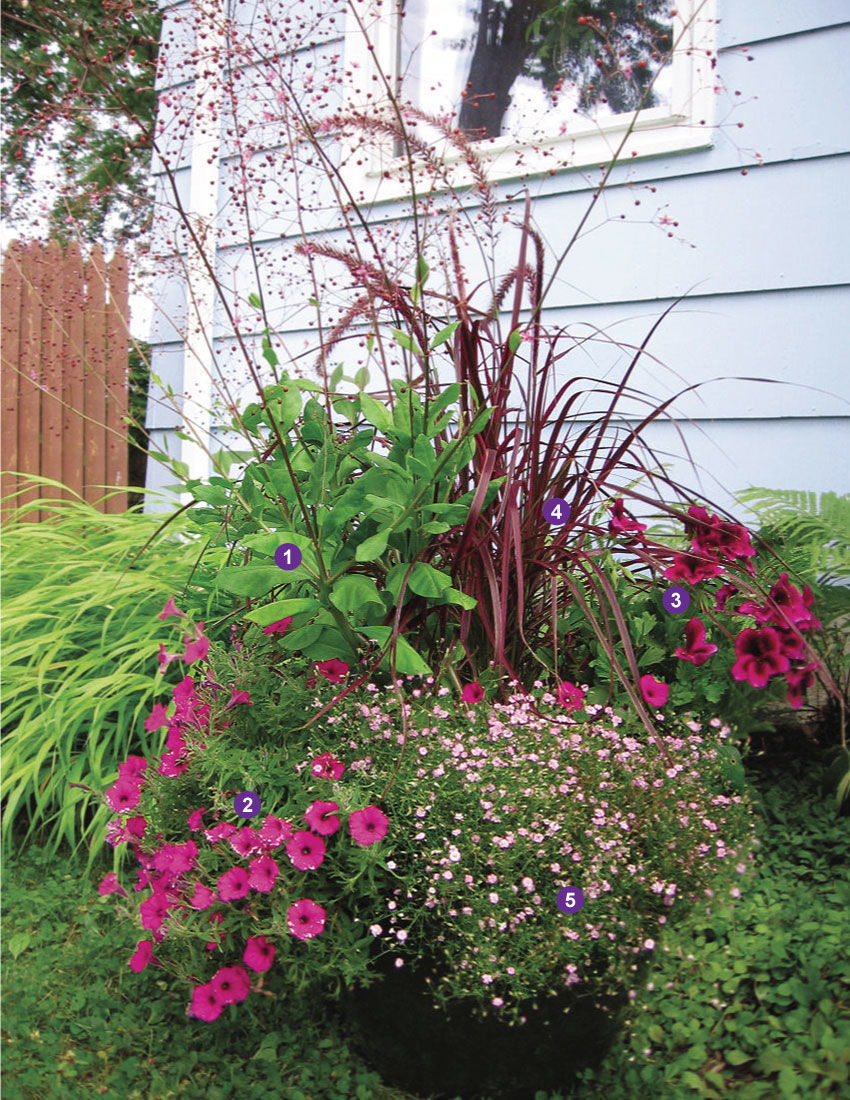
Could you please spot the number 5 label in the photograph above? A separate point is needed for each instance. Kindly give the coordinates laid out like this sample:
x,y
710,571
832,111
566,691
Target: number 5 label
x,y
570,899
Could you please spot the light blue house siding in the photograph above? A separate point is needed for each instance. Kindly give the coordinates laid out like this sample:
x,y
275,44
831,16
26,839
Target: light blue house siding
x,y
762,258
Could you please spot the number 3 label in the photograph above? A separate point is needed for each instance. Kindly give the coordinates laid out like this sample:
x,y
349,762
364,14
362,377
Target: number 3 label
x,y
676,600
247,804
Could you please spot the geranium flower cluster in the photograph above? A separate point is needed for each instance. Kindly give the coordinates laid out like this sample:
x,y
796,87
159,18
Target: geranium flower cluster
x,y
221,865
510,804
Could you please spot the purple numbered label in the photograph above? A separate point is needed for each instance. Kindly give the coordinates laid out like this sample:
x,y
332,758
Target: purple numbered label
x,y
247,804
676,600
570,900
287,556
556,511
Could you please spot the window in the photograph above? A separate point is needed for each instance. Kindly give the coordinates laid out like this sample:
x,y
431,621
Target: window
x,y
536,90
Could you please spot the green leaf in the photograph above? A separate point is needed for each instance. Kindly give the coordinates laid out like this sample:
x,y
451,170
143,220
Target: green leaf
x,y
425,580
789,1082
354,590
250,580
403,340
461,599
422,271
372,547
255,300
444,334
19,943
336,378
361,378
737,1057
280,609
408,661
376,413
283,402
514,340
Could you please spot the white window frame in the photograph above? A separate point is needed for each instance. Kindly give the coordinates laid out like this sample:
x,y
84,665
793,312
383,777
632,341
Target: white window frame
x,y
375,174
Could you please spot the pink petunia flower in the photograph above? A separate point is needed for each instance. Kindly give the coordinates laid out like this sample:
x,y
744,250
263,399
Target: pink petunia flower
x,y
238,698
262,873
692,569
306,851
280,627
305,919
133,768
654,691
197,647
158,718
123,796
334,670
171,764
621,523
205,1003
246,842
696,649
176,859
136,826
259,954
368,826
790,607
760,656
231,985
233,884
170,609
472,693
274,831
220,832
569,696
153,911
326,766
202,898
141,956
321,818
165,659
110,885
195,820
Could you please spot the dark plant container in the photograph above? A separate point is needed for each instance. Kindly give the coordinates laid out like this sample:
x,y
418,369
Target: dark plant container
x,y
419,1047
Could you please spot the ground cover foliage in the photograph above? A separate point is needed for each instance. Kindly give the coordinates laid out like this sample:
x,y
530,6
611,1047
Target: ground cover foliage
x,y
751,1003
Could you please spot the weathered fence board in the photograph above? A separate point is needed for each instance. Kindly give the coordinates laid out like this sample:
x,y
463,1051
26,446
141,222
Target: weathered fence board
x,y
65,340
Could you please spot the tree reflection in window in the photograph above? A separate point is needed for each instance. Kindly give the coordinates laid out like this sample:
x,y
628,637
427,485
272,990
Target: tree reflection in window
x,y
512,67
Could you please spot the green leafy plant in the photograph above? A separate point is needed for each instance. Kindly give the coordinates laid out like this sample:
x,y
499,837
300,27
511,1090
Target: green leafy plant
x,y
81,593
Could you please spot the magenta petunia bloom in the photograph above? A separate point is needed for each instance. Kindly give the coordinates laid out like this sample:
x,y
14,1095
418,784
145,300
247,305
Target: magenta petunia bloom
x,y
176,859
136,826
233,884
472,693
220,832
153,912
231,985
165,659
326,766
141,956
760,656
280,627
158,718
570,697
170,609
123,795
205,1003
195,820
696,649
133,768
368,826
692,569
202,898
238,698
110,885
259,954
799,680
197,647
654,691
334,670
246,842
321,818
621,523
262,873
172,764
274,831
305,919
306,851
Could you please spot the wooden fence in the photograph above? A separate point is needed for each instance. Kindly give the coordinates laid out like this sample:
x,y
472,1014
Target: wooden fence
x,y
65,341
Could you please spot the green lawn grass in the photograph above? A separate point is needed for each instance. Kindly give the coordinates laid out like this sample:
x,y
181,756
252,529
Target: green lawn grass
x,y
751,1003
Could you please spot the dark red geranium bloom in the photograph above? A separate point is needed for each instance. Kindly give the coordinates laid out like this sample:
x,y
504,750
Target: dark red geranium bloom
x,y
799,680
692,569
722,595
760,656
622,524
696,649
712,535
791,643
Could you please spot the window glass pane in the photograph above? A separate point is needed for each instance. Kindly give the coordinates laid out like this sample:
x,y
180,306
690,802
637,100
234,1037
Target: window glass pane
x,y
525,68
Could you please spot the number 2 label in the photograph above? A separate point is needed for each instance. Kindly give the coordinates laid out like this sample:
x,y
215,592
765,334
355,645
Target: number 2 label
x,y
247,804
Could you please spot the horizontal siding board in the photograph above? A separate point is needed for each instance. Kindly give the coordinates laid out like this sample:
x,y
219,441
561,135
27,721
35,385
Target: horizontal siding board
x,y
760,20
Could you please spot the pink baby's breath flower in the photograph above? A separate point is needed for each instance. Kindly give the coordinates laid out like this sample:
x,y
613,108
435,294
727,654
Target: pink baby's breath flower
x,y
141,956
259,954
368,826
233,884
321,818
306,851
305,919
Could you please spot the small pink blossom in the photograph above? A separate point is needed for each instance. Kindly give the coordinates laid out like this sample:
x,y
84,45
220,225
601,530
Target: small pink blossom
x,y
165,659
333,670
238,698
123,796
195,820
158,718
654,691
274,831
231,985
569,696
280,627
305,919
202,898
220,832
246,842
197,647
326,766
